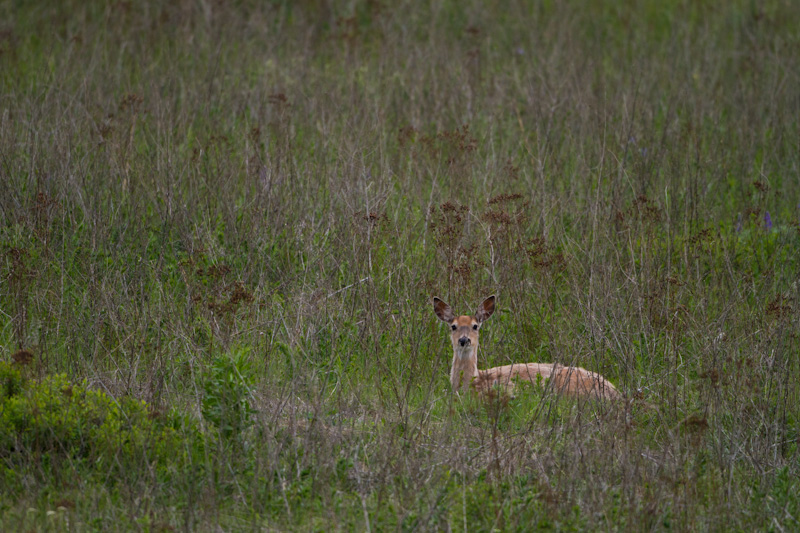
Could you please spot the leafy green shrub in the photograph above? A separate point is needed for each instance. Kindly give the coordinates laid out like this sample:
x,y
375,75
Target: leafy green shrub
x,y
10,381
227,389
54,419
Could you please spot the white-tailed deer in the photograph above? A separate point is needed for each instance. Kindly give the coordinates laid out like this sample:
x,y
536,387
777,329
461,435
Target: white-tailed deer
x,y
570,380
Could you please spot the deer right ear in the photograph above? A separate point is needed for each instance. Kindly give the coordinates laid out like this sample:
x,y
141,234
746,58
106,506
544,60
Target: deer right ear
x,y
443,310
486,309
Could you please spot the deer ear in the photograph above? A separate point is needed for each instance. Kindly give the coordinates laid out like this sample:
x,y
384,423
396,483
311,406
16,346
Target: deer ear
x,y
486,309
442,310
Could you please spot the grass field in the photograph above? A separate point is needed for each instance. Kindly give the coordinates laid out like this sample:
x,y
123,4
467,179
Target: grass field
x,y
223,223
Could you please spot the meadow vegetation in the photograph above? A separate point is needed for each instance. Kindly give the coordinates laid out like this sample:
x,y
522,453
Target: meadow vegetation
x,y
222,223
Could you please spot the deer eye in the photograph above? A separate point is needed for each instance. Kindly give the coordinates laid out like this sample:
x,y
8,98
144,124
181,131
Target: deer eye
x,y
454,327
475,327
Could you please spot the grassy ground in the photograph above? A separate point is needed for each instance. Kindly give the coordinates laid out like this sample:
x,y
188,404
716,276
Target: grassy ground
x,y
238,212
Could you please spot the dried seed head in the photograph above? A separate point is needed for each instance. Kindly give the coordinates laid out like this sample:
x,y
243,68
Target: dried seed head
x,y
23,357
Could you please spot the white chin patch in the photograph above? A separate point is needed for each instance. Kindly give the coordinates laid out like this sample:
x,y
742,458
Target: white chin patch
x,y
464,351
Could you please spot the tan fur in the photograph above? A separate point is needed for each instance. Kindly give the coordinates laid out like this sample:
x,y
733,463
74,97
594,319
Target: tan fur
x,y
570,380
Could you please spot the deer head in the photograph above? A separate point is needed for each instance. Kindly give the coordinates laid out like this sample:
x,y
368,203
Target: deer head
x,y
464,337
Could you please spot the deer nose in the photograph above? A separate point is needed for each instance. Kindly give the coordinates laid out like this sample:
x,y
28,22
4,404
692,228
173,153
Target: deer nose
x,y
463,341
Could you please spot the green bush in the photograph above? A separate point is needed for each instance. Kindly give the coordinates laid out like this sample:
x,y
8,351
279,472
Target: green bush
x,y
226,399
54,420
10,381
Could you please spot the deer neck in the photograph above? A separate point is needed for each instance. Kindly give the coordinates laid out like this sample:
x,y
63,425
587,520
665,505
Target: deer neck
x,y
464,367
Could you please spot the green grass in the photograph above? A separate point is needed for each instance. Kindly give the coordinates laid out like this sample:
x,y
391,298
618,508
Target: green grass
x,y
238,212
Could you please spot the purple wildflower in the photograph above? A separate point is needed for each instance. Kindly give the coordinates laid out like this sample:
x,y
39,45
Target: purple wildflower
x,y
767,221
738,228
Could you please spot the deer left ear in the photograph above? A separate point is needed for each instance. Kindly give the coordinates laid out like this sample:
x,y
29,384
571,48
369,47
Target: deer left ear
x,y
486,309
442,310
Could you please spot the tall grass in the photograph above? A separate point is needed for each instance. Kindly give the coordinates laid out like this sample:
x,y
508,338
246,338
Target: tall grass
x,y
239,211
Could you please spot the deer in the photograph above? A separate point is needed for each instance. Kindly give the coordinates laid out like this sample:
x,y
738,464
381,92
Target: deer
x,y
571,381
